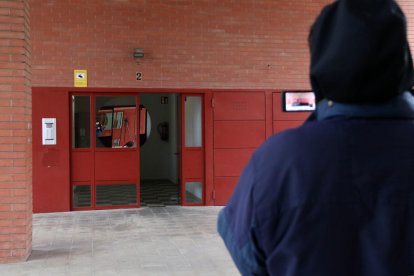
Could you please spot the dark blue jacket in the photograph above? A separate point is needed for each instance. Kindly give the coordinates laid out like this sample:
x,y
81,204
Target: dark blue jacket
x,y
332,197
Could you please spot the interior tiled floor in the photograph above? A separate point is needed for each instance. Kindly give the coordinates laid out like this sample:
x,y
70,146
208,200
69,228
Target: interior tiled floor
x,y
163,193
159,193
148,241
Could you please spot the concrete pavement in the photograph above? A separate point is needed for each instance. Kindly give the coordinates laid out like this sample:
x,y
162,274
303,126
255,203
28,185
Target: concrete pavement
x,y
149,241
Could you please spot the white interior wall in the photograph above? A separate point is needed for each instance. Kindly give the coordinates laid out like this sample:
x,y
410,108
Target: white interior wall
x,y
158,158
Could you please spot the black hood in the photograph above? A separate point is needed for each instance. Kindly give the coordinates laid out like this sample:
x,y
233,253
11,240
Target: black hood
x,y
359,52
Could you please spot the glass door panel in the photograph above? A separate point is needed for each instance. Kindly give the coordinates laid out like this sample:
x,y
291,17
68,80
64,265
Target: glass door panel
x,y
193,121
116,194
81,122
81,196
193,192
115,122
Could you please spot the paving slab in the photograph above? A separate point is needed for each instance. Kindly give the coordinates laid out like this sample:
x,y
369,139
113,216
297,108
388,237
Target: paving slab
x,y
159,241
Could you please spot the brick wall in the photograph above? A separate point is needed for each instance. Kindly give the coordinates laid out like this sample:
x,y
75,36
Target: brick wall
x,y
408,8
187,43
15,131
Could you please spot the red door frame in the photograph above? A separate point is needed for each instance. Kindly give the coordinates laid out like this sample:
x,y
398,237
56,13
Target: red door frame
x,y
187,155
93,150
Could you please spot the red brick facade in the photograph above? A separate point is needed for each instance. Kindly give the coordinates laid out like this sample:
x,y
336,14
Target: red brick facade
x,y
15,131
260,44
408,8
188,44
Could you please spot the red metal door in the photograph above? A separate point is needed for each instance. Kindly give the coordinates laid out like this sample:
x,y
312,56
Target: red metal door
x,y
192,153
105,152
239,128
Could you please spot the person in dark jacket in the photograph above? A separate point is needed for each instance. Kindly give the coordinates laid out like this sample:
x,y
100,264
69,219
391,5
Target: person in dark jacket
x,y
336,195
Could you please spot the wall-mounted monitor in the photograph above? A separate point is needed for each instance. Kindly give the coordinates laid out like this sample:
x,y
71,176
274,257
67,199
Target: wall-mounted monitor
x,y
298,101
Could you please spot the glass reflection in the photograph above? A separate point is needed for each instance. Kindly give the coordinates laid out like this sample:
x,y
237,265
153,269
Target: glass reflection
x,y
116,122
193,192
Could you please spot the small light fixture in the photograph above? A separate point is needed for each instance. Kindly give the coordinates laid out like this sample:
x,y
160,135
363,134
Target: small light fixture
x,y
138,53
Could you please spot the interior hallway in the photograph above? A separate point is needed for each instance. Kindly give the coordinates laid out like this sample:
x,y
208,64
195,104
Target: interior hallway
x,y
159,193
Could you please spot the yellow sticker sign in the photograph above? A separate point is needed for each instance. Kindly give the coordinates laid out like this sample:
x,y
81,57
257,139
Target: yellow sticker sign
x,y
81,78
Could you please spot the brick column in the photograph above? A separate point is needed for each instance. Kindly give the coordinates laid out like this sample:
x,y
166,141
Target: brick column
x,y
15,132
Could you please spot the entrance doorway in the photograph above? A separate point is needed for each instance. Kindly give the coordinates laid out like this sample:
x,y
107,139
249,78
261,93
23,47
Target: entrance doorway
x,y
160,166
132,150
